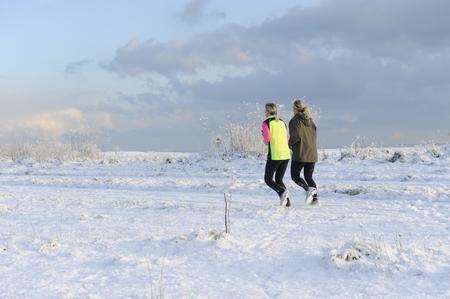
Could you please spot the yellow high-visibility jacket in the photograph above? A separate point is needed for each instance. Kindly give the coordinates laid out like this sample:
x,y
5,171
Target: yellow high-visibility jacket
x,y
275,136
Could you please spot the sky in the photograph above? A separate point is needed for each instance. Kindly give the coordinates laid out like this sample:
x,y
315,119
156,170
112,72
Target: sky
x,y
170,75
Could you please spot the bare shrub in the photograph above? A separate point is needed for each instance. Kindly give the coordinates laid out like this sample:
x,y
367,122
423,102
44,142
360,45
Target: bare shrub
x,y
46,150
377,254
352,191
429,151
397,156
361,148
434,150
242,137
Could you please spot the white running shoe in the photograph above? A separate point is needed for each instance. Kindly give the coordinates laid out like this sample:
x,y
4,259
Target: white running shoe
x,y
310,194
284,198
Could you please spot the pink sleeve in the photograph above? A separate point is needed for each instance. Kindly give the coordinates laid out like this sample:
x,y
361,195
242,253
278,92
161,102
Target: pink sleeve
x,y
265,132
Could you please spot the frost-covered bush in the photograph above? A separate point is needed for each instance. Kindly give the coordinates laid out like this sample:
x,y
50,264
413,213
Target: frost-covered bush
x,y
323,155
434,150
213,234
397,156
46,151
428,152
377,254
352,191
242,137
361,149
172,159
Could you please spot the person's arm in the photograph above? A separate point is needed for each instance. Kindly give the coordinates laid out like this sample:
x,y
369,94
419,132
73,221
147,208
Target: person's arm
x,y
294,136
265,132
287,134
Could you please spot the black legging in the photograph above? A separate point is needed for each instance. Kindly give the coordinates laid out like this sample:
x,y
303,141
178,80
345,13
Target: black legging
x,y
296,168
277,167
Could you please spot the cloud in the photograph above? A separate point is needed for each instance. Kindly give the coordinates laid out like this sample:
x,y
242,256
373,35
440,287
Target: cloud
x,y
384,30
195,11
56,123
144,111
163,58
76,66
380,64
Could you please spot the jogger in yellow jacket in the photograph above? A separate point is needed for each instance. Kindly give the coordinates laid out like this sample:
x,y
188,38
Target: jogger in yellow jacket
x,y
274,131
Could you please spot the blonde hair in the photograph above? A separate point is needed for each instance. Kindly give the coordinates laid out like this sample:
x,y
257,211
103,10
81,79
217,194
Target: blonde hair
x,y
272,110
300,107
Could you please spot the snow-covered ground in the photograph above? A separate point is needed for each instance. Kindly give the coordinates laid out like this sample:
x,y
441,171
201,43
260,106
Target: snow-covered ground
x,y
141,225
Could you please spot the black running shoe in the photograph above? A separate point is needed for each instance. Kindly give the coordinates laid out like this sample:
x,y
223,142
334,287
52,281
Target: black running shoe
x,y
288,202
284,198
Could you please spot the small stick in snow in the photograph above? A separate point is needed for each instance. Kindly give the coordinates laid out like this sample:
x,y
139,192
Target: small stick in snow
x,y
227,214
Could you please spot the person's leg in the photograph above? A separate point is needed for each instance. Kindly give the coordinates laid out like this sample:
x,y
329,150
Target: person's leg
x,y
279,173
296,169
271,167
309,170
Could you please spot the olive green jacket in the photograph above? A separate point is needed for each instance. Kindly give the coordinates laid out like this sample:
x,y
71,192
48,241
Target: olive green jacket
x,y
303,139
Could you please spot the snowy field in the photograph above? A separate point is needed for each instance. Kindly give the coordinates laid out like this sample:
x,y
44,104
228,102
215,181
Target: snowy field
x,y
150,225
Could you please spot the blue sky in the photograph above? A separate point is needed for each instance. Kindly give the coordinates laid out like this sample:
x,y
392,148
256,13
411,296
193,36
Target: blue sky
x,y
41,37
128,69
46,35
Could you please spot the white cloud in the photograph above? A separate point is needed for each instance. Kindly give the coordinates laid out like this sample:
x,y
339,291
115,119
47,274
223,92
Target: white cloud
x,y
57,123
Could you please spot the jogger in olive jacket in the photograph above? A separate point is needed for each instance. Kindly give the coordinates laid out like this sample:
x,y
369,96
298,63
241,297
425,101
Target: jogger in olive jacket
x,y
303,142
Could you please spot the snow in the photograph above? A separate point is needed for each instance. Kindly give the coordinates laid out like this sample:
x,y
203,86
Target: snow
x,y
141,225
